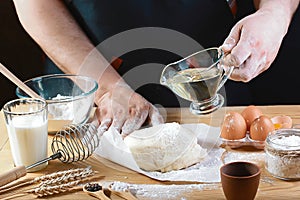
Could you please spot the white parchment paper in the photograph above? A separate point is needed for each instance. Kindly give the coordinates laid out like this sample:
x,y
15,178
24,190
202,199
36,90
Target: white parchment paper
x,y
113,148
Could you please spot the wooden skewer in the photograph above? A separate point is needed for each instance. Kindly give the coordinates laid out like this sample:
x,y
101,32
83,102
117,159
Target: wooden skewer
x,y
17,82
24,193
14,196
13,186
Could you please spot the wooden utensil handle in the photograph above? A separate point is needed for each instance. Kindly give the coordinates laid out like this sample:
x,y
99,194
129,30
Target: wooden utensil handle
x,y
99,195
12,175
18,82
125,195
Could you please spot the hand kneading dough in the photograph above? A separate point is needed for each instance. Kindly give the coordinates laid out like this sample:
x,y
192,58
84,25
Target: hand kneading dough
x,y
165,147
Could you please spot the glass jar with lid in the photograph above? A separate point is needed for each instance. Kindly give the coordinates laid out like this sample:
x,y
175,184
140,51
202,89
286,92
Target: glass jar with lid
x,y
282,150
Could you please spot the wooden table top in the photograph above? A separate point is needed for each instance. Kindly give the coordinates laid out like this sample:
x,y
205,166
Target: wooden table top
x,y
270,188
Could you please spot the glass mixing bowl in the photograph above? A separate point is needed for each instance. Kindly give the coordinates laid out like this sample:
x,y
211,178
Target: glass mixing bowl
x,y
70,98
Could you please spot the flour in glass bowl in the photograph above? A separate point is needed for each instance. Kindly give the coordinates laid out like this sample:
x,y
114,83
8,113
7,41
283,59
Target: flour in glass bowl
x,y
70,110
61,111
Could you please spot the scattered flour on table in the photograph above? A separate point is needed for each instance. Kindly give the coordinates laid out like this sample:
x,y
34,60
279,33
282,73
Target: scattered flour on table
x,y
255,157
205,171
162,192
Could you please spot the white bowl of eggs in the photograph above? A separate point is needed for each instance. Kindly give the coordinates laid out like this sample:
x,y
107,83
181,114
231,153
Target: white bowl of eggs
x,y
250,127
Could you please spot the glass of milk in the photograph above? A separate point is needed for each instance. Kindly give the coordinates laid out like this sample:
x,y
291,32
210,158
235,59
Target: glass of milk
x,y
27,126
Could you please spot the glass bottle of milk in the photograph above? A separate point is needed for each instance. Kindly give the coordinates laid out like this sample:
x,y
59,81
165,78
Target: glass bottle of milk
x,y
27,126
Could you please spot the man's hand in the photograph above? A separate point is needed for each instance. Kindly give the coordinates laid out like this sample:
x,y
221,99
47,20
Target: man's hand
x,y
125,110
253,44
254,41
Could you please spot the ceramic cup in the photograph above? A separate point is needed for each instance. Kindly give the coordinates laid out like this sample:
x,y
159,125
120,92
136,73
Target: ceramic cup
x,y
240,180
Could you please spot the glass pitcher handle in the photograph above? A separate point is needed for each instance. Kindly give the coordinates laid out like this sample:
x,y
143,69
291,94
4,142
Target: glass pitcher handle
x,y
225,76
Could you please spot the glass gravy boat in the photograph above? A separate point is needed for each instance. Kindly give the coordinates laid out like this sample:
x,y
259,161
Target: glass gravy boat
x,y
198,78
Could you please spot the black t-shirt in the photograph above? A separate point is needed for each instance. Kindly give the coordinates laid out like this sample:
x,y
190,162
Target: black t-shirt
x,y
179,28
149,34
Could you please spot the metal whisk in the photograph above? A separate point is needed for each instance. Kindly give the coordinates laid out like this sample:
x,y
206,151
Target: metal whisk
x,y
75,142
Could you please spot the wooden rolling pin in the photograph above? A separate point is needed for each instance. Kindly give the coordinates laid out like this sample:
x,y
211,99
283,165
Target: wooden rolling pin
x,y
21,171
12,175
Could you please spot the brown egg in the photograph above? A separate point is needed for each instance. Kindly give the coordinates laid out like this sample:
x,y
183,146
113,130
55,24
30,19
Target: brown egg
x,y
234,126
261,127
282,121
250,113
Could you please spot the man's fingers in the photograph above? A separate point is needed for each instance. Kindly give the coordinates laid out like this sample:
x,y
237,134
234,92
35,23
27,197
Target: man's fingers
x,y
237,56
118,123
232,39
228,44
241,50
253,66
134,122
104,125
155,116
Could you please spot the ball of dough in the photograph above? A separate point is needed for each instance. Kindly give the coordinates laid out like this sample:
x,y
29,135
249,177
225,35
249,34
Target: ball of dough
x,y
165,147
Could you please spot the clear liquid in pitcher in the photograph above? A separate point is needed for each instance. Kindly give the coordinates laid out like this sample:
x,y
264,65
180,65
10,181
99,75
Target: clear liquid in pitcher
x,y
196,84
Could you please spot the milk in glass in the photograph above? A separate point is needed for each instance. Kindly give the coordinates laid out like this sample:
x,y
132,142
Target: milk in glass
x,y
28,139
27,126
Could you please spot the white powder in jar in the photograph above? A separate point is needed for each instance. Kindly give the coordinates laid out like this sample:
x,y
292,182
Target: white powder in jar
x,y
283,157
291,142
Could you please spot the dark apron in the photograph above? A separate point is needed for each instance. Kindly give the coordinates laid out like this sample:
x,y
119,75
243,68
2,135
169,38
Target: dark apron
x,y
207,22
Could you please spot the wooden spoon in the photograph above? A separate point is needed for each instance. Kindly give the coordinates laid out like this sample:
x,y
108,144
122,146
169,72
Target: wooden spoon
x,y
96,190
18,82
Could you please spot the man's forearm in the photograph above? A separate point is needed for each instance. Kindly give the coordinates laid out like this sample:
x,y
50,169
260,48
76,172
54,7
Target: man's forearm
x,y
284,8
289,6
50,24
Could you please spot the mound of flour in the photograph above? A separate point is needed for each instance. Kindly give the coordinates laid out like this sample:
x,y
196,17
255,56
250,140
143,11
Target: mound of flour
x,y
165,147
